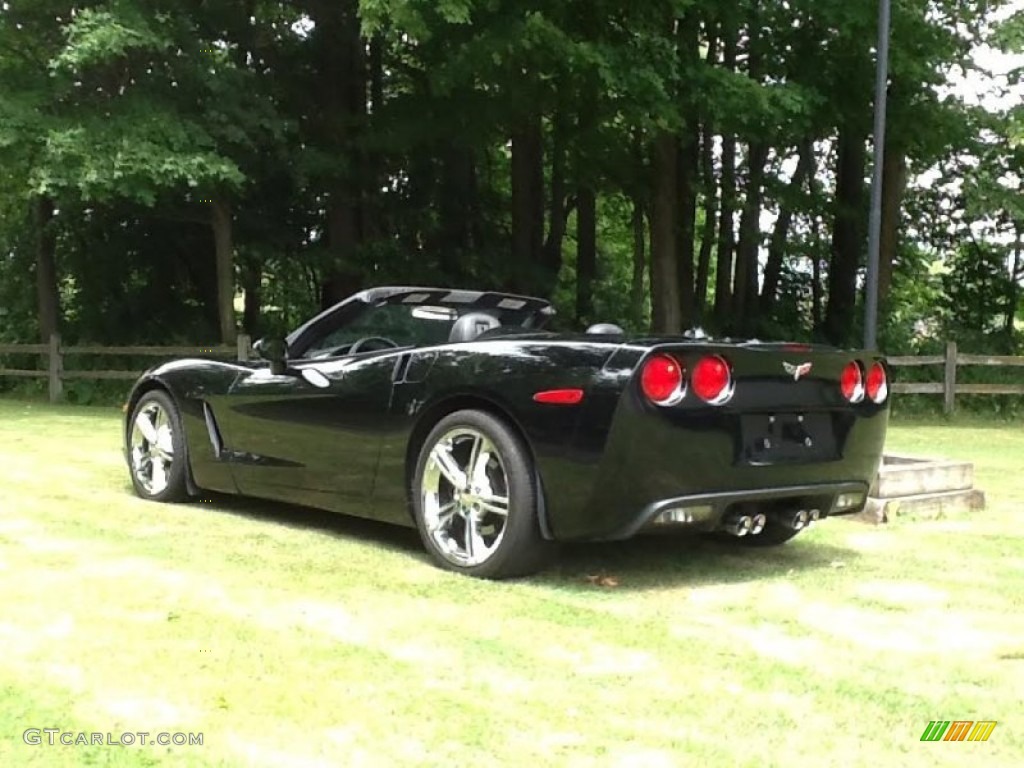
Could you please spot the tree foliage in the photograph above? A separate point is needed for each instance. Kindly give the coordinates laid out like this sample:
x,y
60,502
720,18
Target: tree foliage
x,y
667,163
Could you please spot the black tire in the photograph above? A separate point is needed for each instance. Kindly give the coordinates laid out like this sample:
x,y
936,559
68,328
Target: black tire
x,y
176,488
520,549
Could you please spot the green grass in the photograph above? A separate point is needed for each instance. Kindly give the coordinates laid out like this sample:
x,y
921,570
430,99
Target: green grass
x,y
294,638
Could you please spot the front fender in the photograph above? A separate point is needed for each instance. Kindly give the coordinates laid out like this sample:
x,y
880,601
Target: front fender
x,y
191,385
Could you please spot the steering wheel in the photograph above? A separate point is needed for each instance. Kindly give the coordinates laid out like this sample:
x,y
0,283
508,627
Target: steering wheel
x,y
359,343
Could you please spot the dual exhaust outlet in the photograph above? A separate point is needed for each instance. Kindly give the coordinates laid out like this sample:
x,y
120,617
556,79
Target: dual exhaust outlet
x,y
751,525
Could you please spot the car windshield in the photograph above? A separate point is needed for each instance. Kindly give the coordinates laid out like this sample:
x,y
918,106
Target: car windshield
x,y
403,318
406,326
393,324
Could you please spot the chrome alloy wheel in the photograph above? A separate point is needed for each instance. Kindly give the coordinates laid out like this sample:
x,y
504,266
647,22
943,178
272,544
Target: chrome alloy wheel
x,y
152,448
465,497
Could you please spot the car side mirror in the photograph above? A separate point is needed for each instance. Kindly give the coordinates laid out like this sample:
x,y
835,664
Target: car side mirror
x,y
275,352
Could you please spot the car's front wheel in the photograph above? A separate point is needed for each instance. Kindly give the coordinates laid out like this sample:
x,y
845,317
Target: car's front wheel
x,y
156,449
475,498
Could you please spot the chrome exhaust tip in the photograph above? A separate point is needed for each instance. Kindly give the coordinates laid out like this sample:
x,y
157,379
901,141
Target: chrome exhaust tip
x,y
796,520
813,516
759,521
740,525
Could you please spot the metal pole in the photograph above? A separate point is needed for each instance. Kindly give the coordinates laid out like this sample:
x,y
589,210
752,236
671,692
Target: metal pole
x,y
875,224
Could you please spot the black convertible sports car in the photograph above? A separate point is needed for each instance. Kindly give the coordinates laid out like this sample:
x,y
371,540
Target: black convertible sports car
x,y
456,412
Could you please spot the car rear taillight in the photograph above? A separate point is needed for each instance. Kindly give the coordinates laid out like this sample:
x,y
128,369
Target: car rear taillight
x,y
852,382
877,386
662,380
712,379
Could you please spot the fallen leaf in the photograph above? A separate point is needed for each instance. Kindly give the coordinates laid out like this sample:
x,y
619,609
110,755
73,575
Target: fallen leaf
x,y
600,580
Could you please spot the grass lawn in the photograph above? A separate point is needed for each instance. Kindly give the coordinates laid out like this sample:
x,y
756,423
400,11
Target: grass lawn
x,y
293,638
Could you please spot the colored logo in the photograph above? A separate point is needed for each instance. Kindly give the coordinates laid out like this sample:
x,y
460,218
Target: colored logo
x,y
958,730
796,371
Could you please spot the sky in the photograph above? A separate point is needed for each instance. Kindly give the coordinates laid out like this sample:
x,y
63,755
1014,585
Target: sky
x,y
986,85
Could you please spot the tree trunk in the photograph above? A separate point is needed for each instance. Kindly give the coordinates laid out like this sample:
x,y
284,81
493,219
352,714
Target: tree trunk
x,y
707,239
224,250
376,74
639,261
665,306
372,226
847,235
454,210
47,292
341,110
780,234
586,253
688,157
726,234
726,227
1013,297
745,288
557,214
252,277
528,204
894,184
817,249
816,284
342,279
710,190
688,161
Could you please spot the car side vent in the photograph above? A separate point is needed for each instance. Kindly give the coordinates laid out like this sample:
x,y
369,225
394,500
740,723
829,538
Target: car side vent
x,y
401,368
214,432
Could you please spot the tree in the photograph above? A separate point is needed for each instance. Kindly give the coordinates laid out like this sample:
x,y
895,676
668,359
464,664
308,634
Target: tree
x,y
659,164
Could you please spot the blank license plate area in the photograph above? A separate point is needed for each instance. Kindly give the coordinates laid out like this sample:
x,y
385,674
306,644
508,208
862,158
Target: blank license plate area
x,y
788,437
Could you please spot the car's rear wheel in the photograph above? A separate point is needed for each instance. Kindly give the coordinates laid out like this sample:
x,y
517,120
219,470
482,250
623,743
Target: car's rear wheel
x,y
475,498
156,450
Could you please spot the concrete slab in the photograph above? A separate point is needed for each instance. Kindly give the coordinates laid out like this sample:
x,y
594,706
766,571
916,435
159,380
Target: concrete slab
x,y
917,487
912,476
925,506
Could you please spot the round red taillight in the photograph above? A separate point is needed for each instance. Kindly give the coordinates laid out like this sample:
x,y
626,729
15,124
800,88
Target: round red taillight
x,y
877,386
852,382
662,380
712,379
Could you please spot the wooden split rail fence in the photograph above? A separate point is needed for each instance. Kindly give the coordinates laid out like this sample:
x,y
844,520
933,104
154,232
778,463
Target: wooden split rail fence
x,y
948,387
56,372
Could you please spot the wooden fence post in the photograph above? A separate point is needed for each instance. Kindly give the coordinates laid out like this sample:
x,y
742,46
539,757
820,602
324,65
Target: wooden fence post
x,y
244,345
949,380
56,369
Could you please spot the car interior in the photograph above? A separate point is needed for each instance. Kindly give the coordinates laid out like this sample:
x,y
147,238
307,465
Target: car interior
x,y
472,325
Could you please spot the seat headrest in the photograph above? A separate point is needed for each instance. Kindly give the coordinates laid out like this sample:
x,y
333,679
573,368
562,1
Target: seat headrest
x,y
471,325
606,329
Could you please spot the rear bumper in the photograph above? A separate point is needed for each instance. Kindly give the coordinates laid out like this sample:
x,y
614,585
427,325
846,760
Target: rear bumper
x,y
654,460
706,511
